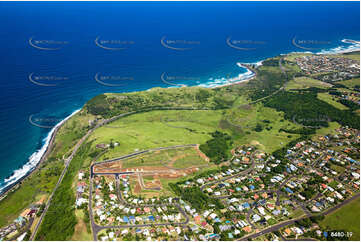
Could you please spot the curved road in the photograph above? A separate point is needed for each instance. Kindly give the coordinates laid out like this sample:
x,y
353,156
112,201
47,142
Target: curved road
x,y
67,162
96,228
135,154
80,142
289,222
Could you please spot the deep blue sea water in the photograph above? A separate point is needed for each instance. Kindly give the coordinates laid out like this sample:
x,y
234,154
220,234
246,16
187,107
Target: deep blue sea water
x,y
135,44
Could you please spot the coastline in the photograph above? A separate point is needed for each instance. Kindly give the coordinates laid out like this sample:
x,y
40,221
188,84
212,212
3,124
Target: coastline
x,y
43,152
33,164
249,75
354,46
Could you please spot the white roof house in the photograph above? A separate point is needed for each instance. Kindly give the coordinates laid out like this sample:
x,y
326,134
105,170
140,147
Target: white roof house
x,y
261,210
80,175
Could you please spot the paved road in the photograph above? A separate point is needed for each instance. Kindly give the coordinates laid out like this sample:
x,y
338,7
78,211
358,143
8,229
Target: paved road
x,y
278,192
135,154
142,185
229,177
96,228
80,142
67,162
289,222
248,217
281,88
303,239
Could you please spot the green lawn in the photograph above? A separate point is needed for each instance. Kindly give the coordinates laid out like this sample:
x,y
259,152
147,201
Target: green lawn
x,y
346,218
12,206
178,158
241,100
338,169
165,181
305,82
157,129
81,232
148,159
190,160
148,179
43,180
332,126
297,213
244,121
354,55
350,83
329,99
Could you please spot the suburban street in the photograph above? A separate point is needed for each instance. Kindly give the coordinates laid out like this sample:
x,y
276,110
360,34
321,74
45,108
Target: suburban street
x,y
75,149
96,228
67,162
283,224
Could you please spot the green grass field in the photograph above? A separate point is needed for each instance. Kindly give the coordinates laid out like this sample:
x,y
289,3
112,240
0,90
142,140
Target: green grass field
x,y
148,159
148,193
305,82
346,218
328,98
175,127
350,83
148,179
42,181
12,206
332,126
165,181
81,232
244,121
166,190
193,159
177,158
354,55
157,129
256,125
338,169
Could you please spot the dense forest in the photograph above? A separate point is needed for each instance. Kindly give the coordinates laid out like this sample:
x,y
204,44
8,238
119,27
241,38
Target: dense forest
x,y
217,148
306,109
198,199
60,214
299,106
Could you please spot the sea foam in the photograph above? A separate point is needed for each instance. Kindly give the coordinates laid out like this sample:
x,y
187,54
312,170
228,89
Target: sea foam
x,y
211,83
353,46
34,159
215,82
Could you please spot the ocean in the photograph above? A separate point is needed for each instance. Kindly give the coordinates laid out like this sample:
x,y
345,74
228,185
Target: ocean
x,y
56,56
